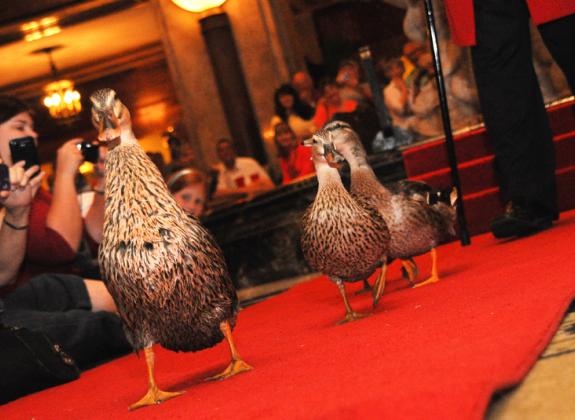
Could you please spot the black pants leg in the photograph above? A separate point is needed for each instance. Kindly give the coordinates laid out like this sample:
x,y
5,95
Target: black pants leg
x,y
559,37
59,306
512,105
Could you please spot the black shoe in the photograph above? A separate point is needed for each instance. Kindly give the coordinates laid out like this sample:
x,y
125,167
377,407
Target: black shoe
x,y
519,221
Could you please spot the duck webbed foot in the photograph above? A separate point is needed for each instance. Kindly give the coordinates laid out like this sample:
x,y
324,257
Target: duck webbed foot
x,y
434,273
237,365
154,395
365,289
350,314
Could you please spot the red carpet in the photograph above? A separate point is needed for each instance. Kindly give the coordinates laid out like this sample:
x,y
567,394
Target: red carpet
x,y
438,352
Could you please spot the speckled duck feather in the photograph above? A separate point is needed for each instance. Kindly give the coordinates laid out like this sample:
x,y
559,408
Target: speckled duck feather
x,y
415,225
164,270
341,238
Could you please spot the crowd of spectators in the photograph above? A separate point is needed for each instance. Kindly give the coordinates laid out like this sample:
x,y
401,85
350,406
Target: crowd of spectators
x,y
301,107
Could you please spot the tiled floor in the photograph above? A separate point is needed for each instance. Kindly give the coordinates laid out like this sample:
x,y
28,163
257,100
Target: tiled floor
x,y
548,391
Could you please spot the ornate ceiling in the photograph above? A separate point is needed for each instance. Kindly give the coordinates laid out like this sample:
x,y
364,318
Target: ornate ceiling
x,y
94,34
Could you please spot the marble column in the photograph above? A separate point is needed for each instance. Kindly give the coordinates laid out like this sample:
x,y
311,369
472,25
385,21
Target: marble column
x,y
266,58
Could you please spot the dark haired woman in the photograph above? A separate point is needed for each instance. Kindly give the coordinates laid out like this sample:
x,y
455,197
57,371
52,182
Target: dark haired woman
x,y
292,111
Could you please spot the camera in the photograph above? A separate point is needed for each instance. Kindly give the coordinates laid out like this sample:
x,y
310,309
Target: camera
x,y
90,151
4,177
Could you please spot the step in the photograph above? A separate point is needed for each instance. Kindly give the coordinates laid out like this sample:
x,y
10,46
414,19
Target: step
x,y
566,188
475,175
483,206
562,117
479,174
475,144
565,149
432,156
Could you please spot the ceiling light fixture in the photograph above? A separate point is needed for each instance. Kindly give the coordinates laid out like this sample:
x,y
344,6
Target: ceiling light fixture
x,y
198,6
38,29
61,99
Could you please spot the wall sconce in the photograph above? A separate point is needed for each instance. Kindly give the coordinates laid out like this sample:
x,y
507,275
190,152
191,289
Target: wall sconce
x,y
198,6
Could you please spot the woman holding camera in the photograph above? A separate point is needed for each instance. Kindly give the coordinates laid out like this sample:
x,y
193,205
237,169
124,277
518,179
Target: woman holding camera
x,y
76,312
56,228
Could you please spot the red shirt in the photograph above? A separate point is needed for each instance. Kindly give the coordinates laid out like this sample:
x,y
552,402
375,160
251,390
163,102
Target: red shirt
x,y
462,19
46,250
324,113
300,162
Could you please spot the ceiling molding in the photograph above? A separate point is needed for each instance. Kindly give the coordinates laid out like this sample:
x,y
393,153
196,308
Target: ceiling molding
x,y
91,71
67,13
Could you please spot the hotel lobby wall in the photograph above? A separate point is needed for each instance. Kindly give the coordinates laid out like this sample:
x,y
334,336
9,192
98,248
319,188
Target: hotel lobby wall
x,y
267,54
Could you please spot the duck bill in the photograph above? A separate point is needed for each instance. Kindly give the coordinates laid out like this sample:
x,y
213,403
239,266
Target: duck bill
x,y
307,142
108,128
333,158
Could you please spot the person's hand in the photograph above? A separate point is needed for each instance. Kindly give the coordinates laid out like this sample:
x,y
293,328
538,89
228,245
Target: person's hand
x,y
400,85
69,157
23,187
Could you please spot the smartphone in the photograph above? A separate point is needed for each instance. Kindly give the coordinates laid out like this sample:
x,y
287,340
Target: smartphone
x,y
4,178
90,151
24,149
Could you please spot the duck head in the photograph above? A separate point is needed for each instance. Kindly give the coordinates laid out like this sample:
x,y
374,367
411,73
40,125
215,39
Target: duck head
x,y
344,140
109,115
323,148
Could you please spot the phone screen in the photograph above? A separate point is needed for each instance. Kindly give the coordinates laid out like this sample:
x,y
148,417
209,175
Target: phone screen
x,y
24,148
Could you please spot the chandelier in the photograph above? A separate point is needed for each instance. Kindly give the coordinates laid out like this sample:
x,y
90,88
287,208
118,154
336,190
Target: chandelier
x,y
61,99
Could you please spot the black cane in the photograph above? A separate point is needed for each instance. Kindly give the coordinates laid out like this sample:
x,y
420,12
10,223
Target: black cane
x,y
380,108
465,240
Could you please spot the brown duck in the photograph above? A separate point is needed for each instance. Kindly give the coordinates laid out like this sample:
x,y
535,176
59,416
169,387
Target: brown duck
x,y
343,239
417,222
163,269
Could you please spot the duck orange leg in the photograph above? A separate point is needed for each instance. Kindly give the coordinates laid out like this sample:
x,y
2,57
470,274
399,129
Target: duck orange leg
x,y
434,274
409,270
237,365
154,394
379,285
350,314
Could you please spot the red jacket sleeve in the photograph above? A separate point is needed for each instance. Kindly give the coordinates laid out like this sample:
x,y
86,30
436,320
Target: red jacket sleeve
x,y
543,11
45,246
462,19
